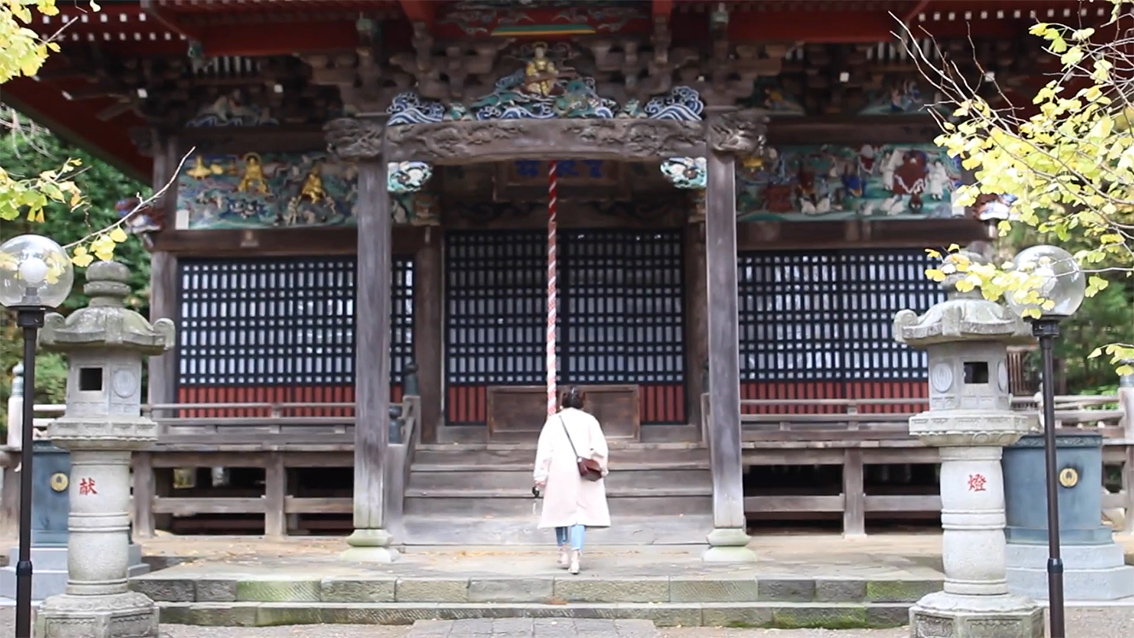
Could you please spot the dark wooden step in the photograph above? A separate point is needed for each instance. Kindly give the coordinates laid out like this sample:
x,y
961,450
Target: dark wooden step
x,y
617,481
512,503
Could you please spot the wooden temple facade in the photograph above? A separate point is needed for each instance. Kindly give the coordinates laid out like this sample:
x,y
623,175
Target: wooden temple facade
x,y
354,245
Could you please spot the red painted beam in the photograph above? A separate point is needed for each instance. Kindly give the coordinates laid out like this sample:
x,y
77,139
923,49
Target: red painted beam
x,y
811,26
79,124
662,8
168,20
865,26
420,11
278,39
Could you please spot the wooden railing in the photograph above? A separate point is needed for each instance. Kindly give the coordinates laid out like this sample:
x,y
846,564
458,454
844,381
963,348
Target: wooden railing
x,y
275,443
855,433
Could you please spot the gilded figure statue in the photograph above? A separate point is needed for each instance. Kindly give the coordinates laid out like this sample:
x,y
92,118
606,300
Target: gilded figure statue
x,y
540,75
201,170
313,187
253,175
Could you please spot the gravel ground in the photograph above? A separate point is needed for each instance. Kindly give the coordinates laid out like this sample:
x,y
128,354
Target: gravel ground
x,y
1112,622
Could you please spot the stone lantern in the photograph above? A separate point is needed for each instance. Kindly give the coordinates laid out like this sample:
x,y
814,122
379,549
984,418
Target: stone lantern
x,y
970,419
105,343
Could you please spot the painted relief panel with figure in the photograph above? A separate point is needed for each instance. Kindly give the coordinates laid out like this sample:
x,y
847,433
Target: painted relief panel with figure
x,y
797,183
264,191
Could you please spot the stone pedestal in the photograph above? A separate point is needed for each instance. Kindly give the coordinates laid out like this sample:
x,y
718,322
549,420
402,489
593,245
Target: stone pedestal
x,y
370,546
102,426
50,576
975,602
1094,565
729,545
971,420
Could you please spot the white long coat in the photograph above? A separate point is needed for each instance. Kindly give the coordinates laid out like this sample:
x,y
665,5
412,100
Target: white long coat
x,y
568,499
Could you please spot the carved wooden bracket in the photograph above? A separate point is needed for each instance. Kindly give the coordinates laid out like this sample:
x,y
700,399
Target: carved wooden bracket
x,y
354,139
407,177
464,142
686,172
739,133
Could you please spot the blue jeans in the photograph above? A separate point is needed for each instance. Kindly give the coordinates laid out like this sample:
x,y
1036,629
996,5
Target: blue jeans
x,y
575,534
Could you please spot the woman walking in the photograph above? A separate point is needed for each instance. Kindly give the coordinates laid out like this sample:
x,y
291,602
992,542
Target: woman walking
x,y
571,461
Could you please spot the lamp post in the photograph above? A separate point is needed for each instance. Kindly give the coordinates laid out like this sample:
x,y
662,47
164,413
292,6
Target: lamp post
x,y
1061,289
35,275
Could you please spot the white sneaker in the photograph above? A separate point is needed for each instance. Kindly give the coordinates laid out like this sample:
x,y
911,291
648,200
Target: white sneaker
x,y
564,558
574,567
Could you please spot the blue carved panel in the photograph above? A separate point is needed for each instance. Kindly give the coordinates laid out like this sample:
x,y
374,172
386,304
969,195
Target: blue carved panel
x,y
823,183
263,191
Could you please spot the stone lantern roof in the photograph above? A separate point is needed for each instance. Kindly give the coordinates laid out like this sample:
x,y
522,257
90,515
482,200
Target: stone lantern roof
x,y
106,322
964,316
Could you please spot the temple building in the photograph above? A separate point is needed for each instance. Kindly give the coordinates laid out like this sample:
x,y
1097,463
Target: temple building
x,y
368,207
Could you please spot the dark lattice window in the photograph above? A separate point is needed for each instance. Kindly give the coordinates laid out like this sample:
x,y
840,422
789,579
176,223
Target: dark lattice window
x,y
276,322
496,300
621,318
623,307
827,316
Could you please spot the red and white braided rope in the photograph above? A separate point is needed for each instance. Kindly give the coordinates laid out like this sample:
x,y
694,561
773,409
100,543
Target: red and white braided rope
x,y
552,363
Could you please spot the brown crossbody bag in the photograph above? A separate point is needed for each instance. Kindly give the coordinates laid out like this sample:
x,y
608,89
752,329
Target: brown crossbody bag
x,y
589,469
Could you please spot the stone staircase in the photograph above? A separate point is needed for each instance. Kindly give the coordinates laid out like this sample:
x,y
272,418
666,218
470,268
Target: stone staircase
x,y
708,596
461,494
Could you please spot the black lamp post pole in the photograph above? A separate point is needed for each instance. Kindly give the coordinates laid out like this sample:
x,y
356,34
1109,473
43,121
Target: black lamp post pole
x,y
1047,330
31,320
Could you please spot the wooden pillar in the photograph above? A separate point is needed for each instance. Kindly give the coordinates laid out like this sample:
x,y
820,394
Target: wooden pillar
x,y
696,324
162,382
427,332
370,540
143,495
854,494
275,496
730,134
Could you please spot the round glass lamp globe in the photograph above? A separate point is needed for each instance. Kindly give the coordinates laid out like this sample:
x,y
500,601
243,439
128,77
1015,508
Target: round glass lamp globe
x,y
1064,283
34,272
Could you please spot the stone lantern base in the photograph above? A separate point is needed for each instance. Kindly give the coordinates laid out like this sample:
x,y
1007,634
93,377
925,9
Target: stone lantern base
x,y
944,615
127,614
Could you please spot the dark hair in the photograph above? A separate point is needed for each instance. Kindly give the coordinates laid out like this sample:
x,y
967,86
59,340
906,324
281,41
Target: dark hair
x,y
573,398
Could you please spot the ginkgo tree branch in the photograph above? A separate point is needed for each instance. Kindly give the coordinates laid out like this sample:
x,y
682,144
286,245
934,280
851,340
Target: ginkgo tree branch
x,y
1064,165
102,241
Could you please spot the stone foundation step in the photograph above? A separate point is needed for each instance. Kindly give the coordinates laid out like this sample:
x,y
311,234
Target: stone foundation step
x,y
735,614
533,628
558,589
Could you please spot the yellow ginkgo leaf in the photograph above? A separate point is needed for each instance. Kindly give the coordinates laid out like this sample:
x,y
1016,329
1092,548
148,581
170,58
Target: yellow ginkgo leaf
x,y
82,260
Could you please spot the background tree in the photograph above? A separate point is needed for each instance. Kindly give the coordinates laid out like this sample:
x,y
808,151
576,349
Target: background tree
x,y
42,184
31,149
1068,160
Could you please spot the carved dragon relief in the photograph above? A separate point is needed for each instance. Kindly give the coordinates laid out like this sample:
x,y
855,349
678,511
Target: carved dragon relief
x,y
354,139
740,133
492,140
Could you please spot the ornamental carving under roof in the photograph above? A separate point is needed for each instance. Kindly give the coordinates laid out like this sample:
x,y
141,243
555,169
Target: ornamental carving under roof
x,y
545,85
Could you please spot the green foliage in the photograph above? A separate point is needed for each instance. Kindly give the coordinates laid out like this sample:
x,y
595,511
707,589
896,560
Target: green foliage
x,y
50,380
1069,161
29,148
1105,318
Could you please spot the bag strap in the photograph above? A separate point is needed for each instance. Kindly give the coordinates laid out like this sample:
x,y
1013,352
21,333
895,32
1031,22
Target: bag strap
x,y
573,450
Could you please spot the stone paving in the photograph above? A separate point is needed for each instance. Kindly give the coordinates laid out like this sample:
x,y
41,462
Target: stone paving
x,y
529,628
1111,622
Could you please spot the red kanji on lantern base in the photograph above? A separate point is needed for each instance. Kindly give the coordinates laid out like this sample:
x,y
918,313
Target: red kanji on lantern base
x,y
87,487
977,482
